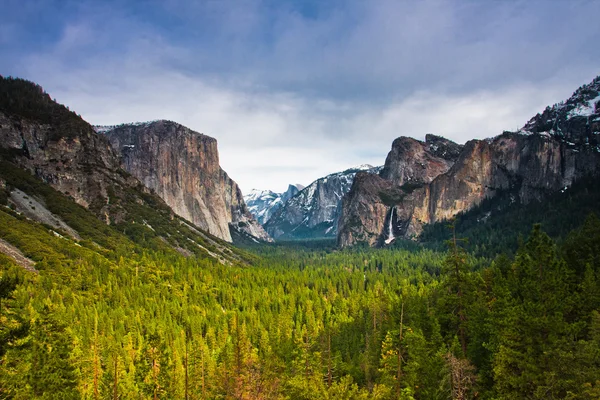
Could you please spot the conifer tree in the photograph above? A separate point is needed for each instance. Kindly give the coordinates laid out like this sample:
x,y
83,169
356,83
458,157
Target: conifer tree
x,y
456,286
52,375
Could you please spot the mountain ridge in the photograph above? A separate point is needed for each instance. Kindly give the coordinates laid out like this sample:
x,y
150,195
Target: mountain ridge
x,y
314,211
553,149
263,203
58,171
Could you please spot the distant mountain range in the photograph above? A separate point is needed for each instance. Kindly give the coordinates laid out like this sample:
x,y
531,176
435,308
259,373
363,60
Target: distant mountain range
x,y
311,212
263,203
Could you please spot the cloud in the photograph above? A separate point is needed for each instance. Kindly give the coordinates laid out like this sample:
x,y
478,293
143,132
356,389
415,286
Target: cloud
x,y
269,140
293,93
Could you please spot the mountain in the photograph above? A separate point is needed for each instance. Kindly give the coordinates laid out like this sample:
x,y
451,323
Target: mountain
x,y
314,211
56,145
263,203
57,171
182,167
576,120
410,165
423,183
498,224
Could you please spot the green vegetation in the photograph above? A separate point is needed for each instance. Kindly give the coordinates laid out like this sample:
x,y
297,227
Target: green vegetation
x,y
147,224
27,100
304,322
499,224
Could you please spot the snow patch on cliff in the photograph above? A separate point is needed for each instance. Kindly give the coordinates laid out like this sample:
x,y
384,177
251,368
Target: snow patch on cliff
x,y
584,109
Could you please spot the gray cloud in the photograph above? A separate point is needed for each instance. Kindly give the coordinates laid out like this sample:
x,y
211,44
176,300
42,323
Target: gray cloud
x,y
294,94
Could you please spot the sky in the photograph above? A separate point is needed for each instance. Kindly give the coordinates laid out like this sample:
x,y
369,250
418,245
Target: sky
x,y
294,90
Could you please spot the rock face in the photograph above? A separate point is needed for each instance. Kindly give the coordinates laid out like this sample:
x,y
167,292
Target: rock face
x,y
409,167
422,183
182,167
414,162
363,214
263,203
314,211
79,165
42,138
57,146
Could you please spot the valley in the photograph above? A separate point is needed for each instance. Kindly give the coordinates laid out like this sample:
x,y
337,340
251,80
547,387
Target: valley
x,y
132,266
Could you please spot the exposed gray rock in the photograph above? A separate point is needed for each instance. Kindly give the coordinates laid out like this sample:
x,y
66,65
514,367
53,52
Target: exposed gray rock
x,y
35,210
73,159
314,211
262,204
182,167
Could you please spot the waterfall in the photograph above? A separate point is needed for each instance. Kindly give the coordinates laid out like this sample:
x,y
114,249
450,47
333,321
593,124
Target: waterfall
x,y
391,236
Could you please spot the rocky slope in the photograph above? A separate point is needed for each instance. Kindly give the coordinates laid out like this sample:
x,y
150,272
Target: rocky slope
x,y
56,170
549,153
182,167
314,211
57,146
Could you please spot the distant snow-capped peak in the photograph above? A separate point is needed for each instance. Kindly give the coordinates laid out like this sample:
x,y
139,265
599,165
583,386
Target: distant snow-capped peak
x,y
314,211
263,203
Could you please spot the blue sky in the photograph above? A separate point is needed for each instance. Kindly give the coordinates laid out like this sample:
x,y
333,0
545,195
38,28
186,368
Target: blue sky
x,y
294,90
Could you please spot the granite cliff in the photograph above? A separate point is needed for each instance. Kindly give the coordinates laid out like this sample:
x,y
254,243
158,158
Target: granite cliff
x,y
57,146
50,159
410,165
427,182
182,167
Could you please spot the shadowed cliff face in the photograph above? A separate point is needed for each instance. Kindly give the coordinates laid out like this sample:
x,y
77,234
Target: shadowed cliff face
x,y
427,182
78,163
182,167
365,208
414,162
242,220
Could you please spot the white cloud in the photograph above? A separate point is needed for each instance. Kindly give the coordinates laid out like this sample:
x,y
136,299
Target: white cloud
x,y
270,140
315,96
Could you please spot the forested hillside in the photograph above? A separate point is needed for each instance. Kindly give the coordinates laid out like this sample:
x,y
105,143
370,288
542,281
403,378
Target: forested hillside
x,y
109,322
498,224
